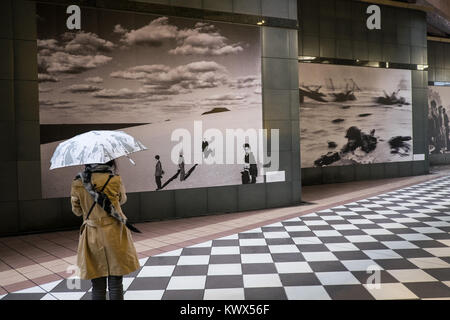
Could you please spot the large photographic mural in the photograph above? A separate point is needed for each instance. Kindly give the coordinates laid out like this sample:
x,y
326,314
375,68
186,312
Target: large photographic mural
x,y
438,119
354,115
148,76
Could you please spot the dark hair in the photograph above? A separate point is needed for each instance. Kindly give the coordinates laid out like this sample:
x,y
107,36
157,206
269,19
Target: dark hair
x,y
111,163
157,157
246,145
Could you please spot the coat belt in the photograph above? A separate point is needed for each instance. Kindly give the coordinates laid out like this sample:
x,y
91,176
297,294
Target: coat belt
x,y
99,222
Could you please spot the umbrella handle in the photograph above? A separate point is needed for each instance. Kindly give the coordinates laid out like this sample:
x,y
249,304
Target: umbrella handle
x,y
131,160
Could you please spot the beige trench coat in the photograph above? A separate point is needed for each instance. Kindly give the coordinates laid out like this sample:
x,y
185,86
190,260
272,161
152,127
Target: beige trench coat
x,y
105,245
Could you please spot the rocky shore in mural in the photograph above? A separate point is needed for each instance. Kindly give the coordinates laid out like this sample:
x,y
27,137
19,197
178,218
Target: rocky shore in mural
x,y
354,115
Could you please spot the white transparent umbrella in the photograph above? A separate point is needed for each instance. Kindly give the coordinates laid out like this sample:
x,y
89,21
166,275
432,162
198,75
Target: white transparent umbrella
x,y
94,147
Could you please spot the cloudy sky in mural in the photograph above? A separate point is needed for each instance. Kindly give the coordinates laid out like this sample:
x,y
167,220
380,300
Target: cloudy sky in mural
x,y
143,68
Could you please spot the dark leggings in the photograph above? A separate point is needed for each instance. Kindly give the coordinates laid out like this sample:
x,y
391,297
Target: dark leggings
x,y
115,288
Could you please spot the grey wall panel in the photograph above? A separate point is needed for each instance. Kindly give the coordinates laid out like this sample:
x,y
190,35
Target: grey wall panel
x,y
275,8
223,199
40,214
362,172
25,60
29,180
279,194
9,216
8,141
277,104
24,19
222,5
132,207
8,179
377,171
276,42
191,202
186,3
404,169
157,205
6,21
252,197
247,6
6,59
346,174
26,100
28,141
7,99
391,170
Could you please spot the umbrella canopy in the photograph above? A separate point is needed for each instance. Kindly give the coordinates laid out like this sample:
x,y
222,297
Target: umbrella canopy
x,y
94,147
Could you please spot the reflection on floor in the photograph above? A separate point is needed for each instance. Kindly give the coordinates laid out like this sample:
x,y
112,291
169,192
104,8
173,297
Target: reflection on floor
x,y
391,246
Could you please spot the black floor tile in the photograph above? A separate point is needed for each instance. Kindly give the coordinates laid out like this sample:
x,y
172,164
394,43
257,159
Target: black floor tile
x,y
299,279
228,281
348,292
265,294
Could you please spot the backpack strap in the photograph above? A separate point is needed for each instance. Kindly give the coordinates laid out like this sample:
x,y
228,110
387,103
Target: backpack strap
x,y
103,188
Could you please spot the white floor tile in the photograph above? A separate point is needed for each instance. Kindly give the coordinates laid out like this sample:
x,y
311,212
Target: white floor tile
x,y
327,233
288,248
51,285
293,267
332,218
142,261
156,271
193,260
376,232
230,237
276,235
170,253
319,256
206,244
224,294
399,245
337,278
315,223
186,283
224,269
143,295
307,240
225,250
341,247
360,221
428,230
382,254
307,293
68,295
360,265
345,227
256,230
252,242
296,228
126,283
359,239
261,280
390,291
429,263
414,236
393,225
439,252
256,258
35,289
411,275
48,296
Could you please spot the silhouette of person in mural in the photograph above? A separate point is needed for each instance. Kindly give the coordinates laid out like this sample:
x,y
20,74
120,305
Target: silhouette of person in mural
x,y
250,171
158,172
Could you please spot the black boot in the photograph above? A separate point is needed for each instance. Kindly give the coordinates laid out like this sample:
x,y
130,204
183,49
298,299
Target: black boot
x,y
115,287
99,288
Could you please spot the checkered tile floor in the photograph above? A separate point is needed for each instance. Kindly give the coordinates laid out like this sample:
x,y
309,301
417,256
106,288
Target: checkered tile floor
x,y
404,234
